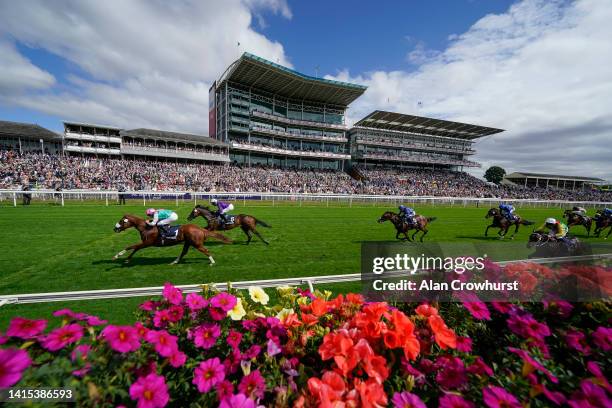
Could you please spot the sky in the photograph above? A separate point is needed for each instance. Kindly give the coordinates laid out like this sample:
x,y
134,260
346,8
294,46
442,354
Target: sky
x,y
540,69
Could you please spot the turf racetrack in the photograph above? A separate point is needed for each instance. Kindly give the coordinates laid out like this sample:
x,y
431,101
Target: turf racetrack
x,y
48,248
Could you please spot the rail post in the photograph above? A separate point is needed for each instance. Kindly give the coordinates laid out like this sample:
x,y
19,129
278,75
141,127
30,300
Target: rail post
x,y
62,194
176,197
144,199
14,199
106,198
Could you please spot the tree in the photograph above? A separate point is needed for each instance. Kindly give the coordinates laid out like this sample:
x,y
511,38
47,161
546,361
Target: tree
x,y
495,174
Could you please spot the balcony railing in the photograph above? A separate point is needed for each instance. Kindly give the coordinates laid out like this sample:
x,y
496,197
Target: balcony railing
x,y
286,152
282,133
87,149
298,122
93,138
416,159
178,153
408,145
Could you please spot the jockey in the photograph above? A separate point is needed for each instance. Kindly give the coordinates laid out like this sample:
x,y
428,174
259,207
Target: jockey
x,y
222,208
554,228
607,212
161,218
507,210
407,214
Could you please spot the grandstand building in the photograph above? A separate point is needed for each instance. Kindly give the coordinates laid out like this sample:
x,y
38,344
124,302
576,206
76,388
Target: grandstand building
x,y
26,137
396,140
552,181
86,139
272,115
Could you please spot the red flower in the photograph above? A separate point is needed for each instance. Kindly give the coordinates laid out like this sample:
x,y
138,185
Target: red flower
x,y
445,337
426,310
371,393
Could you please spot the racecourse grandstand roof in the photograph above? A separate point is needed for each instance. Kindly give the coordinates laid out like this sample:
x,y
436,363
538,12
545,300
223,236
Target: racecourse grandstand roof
x,y
260,73
523,175
171,136
92,125
419,124
26,130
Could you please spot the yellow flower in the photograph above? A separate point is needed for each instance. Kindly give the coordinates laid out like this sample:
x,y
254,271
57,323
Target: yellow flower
x,y
258,295
238,312
282,315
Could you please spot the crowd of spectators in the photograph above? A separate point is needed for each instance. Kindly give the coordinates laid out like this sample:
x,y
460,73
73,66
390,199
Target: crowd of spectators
x,y
73,172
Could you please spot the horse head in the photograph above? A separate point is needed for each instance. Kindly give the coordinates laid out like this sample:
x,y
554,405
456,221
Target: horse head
x,y
493,212
387,216
199,210
567,213
127,221
537,239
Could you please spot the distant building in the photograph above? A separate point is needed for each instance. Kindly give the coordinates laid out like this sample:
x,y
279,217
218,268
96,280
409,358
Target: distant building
x,y
90,139
388,139
273,115
539,180
27,137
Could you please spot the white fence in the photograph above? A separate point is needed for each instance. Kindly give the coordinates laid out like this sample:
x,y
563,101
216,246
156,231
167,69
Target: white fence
x,y
310,281
108,197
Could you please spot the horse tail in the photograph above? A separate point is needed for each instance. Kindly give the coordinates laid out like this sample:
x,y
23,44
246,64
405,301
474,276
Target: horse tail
x,y
525,222
219,236
430,219
263,224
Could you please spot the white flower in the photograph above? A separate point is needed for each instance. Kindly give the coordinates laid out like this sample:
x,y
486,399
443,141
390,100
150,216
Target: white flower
x,y
258,295
238,312
282,315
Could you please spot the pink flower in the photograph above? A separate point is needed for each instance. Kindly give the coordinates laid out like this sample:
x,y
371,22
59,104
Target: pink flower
x,y
273,348
237,401
165,344
225,389
121,338
65,312
25,328
526,326
478,309
150,391
175,313
172,294
602,337
206,335
148,305
234,338
527,359
479,367
577,341
13,363
454,401
589,396
223,301
253,385
177,359
452,373
95,321
464,344
407,400
497,397
208,374
60,338
140,330
81,351
196,302
161,318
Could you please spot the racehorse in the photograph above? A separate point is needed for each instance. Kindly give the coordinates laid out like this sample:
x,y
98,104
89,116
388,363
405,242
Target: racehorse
x,y
501,222
402,227
601,223
547,246
575,219
246,222
189,234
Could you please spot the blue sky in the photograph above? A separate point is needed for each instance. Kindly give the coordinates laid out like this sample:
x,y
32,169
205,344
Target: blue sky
x,y
537,68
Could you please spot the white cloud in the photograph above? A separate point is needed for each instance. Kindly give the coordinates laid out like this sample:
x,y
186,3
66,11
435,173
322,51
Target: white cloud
x,y
17,74
143,63
541,70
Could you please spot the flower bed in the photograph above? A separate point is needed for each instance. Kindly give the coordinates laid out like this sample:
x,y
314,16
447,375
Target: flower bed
x,y
238,349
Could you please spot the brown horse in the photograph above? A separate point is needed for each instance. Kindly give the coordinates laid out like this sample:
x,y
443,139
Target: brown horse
x,y
601,223
504,224
401,227
190,235
246,222
575,219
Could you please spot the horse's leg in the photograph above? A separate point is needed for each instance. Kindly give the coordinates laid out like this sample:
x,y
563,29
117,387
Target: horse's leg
x,y
588,228
609,231
183,253
425,231
134,248
515,230
259,236
415,232
246,231
206,252
487,230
